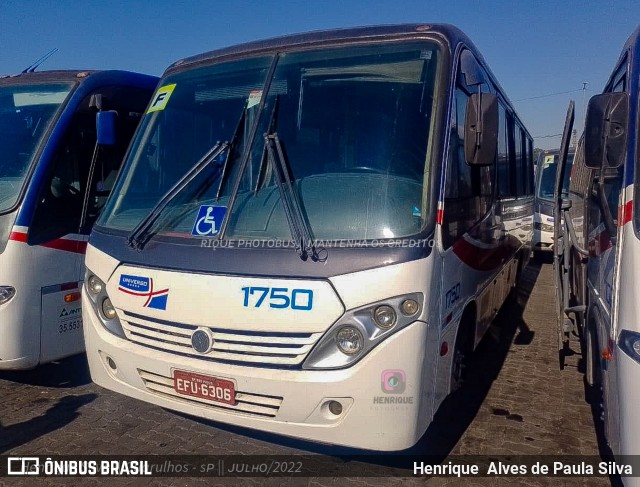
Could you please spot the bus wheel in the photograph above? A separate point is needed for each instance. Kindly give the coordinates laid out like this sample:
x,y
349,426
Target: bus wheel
x,y
461,353
593,372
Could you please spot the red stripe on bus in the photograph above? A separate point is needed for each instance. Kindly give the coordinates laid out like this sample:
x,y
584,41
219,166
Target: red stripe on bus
x,y
75,246
627,212
485,259
439,217
18,237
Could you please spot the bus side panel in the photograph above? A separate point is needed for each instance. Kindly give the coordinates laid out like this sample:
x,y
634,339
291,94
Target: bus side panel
x,y
61,332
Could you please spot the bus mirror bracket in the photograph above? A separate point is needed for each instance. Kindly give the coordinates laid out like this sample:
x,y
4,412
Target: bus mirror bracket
x,y
566,204
481,129
106,127
605,140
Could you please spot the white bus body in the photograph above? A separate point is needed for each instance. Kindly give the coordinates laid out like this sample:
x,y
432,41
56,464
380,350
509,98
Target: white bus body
x,y
48,137
351,340
603,250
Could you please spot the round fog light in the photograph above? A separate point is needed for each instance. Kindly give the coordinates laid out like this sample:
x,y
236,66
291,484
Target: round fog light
x,y
335,408
409,307
108,310
112,365
95,285
349,340
384,316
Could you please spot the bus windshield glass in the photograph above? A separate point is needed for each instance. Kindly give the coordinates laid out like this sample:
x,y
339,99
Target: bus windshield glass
x,y
352,125
547,176
25,114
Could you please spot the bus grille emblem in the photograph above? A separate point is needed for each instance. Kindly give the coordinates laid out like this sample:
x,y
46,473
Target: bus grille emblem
x,y
202,340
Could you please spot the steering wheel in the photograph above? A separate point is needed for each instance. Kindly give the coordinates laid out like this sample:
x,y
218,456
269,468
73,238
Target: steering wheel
x,y
58,184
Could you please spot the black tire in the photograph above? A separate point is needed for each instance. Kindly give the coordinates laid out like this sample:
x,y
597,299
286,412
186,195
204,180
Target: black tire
x,y
461,351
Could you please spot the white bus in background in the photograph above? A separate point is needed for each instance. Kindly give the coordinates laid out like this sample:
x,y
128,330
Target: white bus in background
x,y
543,216
312,233
599,245
54,179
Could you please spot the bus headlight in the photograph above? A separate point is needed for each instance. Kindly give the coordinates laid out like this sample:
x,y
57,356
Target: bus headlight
x,y
360,330
384,316
108,310
6,293
101,304
95,285
629,343
349,340
409,307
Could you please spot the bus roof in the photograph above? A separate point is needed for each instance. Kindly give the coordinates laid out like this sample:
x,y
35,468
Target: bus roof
x,y
66,76
450,33
320,37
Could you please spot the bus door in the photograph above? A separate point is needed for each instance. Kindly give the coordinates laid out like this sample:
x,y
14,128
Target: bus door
x,y
77,185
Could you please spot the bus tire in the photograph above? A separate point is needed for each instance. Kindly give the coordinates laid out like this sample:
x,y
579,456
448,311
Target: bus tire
x,y
592,363
462,349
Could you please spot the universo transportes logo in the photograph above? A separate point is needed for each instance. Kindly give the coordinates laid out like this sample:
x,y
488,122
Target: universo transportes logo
x,y
143,287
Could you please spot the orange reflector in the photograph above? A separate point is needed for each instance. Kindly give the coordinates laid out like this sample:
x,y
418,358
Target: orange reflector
x,y
606,354
444,349
71,297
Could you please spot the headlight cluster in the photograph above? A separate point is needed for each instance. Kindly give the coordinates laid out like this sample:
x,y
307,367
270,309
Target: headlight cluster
x,y
6,293
101,303
361,329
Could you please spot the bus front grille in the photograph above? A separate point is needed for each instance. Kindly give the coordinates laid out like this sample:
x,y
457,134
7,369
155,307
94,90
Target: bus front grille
x,y
279,349
246,403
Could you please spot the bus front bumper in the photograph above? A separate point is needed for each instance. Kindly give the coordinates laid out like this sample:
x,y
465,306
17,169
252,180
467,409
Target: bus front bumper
x,y
293,403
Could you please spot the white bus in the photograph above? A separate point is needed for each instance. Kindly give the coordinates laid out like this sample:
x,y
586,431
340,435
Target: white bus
x,y
54,179
311,233
599,280
543,211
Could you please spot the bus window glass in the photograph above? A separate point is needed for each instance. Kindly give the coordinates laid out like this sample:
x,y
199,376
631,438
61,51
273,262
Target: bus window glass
x,y
547,175
358,169
504,182
25,115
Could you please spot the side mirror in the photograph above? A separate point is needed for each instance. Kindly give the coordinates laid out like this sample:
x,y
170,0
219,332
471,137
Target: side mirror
x,y
605,133
481,129
106,127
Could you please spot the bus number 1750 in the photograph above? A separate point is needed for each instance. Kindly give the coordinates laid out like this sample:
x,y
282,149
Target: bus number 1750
x,y
278,297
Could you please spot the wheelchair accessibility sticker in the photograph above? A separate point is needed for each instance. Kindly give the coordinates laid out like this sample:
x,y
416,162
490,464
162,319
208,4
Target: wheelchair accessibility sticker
x,y
209,221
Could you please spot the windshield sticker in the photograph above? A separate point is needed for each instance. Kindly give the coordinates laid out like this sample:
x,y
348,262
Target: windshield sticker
x,y
254,98
548,160
416,212
161,98
209,221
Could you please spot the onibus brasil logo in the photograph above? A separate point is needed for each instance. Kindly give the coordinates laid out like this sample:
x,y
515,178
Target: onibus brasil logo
x,y
143,287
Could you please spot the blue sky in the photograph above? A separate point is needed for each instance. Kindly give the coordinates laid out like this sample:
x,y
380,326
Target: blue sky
x,y
534,47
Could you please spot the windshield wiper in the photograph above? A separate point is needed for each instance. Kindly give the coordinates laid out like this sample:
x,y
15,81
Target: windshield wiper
x,y
295,217
296,220
141,234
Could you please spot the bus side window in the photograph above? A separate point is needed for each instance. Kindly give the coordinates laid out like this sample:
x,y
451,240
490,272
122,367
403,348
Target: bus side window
x,y
468,189
504,167
62,195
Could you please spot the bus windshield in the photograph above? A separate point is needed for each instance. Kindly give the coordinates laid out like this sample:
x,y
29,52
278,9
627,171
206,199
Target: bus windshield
x,y
353,125
547,176
25,114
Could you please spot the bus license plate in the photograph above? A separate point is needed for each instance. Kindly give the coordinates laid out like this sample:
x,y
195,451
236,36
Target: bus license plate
x,y
204,386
